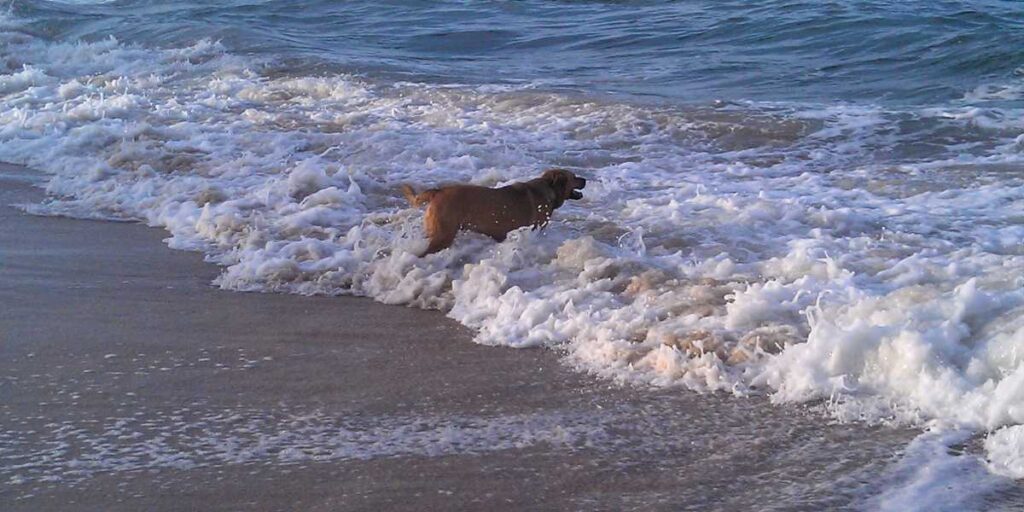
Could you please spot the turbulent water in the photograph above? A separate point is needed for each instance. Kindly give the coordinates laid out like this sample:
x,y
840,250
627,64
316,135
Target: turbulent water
x,y
813,200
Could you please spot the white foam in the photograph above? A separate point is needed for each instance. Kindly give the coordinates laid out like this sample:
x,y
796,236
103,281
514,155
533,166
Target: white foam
x,y
70,451
930,477
1005,448
752,248
996,92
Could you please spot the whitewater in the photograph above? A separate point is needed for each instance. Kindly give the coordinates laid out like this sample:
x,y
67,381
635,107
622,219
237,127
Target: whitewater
x,y
861,257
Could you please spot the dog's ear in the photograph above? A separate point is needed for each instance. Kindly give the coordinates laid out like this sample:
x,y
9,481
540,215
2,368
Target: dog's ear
x,y
557,178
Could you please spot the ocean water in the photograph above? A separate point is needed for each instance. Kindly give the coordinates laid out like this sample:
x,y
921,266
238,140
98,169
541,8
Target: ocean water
x,y
822,202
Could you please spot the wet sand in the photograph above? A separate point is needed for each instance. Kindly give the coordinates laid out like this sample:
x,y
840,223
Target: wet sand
x,y
130,383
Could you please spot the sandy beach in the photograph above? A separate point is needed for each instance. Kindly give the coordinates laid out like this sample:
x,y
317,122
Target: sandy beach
x,y
130,383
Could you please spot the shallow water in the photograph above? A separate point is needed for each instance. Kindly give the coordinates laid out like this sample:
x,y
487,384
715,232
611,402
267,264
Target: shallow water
x,y
818,202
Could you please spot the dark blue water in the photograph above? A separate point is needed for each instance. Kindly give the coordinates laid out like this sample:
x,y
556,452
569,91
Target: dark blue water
x,y
913,53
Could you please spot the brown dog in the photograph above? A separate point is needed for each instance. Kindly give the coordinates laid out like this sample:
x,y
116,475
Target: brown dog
x,y
493,211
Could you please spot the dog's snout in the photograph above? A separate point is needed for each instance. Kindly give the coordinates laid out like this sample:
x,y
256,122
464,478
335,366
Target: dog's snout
x,y
582,182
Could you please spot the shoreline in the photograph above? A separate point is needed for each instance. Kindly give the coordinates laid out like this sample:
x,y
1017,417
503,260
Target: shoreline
x,y
140,386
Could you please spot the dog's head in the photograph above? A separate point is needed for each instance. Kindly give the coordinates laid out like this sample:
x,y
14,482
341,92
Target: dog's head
x,y
565,184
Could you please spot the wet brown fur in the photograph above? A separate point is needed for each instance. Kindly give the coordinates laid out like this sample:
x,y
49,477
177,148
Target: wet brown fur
x,y
492,211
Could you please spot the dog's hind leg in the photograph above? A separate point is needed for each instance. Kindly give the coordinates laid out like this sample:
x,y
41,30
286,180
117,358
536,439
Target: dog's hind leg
x,y
440,230
439,242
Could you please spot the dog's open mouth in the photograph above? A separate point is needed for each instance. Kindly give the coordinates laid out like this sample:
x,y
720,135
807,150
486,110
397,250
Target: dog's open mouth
x,y
575,194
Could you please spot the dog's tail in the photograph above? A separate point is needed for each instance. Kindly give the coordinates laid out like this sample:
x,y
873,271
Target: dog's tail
x,y
420,199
